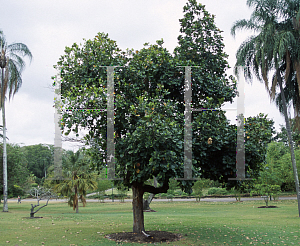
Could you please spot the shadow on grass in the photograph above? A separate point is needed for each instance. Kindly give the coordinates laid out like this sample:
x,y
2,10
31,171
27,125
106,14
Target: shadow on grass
x,y
268,207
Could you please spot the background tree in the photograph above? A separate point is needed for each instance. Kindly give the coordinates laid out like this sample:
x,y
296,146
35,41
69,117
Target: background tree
x,y
218,160
279,167
275,152
267,184
41,194
149,196
268,50
122,192
282,136
173,185
39,158
289,49
275,22
12,65
286,171
103,185
17,172
79,179
198,188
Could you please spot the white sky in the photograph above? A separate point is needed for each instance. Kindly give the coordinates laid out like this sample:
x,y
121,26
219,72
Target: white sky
x,y
46,27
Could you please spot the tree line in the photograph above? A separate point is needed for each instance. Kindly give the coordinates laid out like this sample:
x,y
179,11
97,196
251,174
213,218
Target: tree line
x,y
30,166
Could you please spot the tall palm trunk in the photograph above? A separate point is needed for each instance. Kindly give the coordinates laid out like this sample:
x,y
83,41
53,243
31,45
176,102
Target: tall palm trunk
x,y
288,128
297,114
76,199
5,207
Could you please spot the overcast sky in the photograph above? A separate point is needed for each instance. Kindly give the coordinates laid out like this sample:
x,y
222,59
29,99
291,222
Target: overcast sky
x,y
47,27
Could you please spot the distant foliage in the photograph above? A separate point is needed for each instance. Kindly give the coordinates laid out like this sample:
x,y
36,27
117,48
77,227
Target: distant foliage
x,y
17,171
278,168
217,191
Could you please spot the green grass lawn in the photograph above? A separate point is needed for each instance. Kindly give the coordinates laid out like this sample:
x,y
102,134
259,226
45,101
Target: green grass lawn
x,y
203,223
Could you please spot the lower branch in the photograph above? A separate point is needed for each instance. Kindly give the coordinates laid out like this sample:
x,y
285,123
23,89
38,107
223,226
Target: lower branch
x,y
151,189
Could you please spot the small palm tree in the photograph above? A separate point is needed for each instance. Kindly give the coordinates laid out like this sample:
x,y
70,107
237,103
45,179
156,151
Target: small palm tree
x,y
78,180
12,65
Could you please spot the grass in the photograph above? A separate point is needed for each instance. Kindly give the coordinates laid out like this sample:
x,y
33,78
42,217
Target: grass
x,y
203,223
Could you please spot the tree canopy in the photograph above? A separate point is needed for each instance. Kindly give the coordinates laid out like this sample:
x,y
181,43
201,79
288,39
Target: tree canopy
x,y
149,105
17,172
78,179
276,47
38,159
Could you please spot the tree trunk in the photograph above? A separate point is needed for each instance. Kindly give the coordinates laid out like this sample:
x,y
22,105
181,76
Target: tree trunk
x,y
288,128
297,68
146,203
32,211
151,196
137,205
297,115
5,207
76,200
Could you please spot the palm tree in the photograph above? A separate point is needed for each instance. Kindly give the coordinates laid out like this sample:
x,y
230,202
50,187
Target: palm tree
x,y
292,96
275,44
270,17
11,65
78,180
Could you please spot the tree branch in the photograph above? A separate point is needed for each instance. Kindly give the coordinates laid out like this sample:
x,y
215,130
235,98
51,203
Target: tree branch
x,y
153,190
42,206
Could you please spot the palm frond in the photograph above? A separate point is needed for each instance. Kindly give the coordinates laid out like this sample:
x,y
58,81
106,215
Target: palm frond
x,y
15,65
83,200
272,92
21,49
244,24
288,65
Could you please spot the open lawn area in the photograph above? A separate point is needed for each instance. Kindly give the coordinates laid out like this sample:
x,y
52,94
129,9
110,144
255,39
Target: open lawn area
x,y
204,223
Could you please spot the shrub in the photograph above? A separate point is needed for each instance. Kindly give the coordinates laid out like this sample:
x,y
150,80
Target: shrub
x,y
198,187
170,197
266,190
217,191
184,194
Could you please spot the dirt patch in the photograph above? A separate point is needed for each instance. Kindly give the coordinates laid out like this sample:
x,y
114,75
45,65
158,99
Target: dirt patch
x,y
268,207
154,237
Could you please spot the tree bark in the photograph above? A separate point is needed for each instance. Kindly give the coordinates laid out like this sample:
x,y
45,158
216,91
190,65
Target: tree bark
x,y
297,114
137,205
32,212
288,129
297,68
146,203
5,207
151,196
76,200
